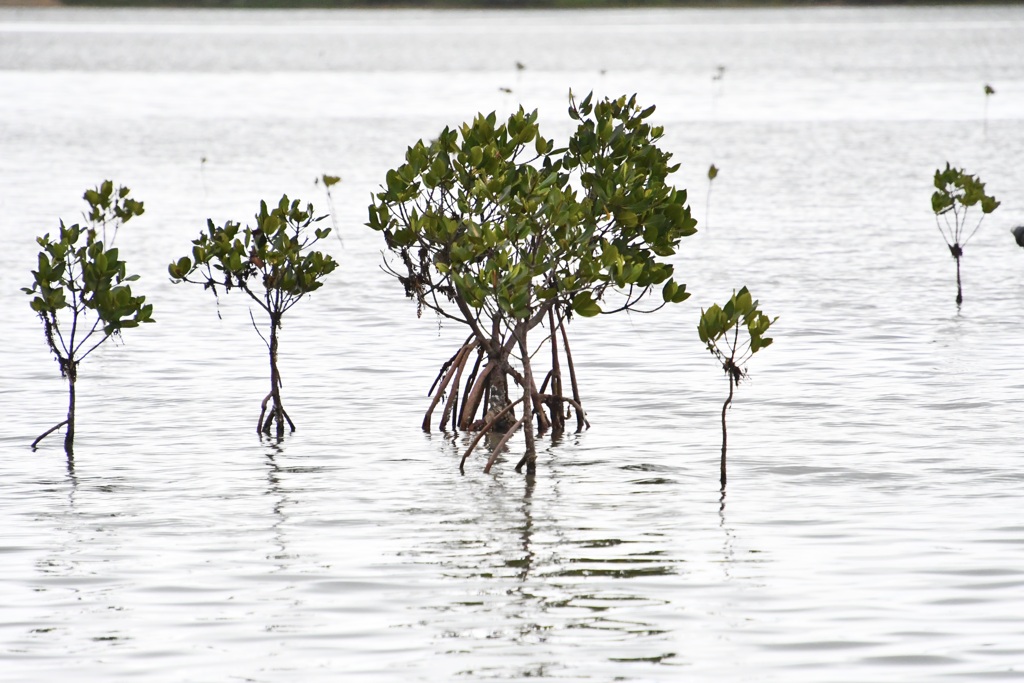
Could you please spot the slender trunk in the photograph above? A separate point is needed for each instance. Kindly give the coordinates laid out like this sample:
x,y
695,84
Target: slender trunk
x,y
957,251
69,436
497,382
724,434
959,289
275,382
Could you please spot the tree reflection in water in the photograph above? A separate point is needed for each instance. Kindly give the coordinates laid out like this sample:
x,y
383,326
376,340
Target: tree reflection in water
x,y
525,585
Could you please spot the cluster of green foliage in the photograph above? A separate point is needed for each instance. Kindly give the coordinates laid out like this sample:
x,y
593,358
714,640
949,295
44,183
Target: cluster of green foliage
x,y
733,333
491,225
495,227
81,290
273,264
956,194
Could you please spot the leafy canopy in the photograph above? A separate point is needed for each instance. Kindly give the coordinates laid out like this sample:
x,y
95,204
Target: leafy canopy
x,y
956,192
81,289
955,189
497,219
740,312
271,262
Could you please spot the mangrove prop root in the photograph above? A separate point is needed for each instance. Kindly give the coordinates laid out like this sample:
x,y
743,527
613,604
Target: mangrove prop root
x,y
444,368
477,393
49,431
452,364
565,399
547,379
580,419
557,418
486,430
469,386
451,405
263,411
263,426
504,440
291,424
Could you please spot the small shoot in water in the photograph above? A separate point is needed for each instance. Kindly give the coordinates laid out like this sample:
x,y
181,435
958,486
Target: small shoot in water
x,y
330,181
273,264
989,91
733,333
712,174
81,290
956,194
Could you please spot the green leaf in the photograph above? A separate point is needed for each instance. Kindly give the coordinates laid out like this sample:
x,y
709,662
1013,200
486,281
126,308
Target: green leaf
x,y
584,304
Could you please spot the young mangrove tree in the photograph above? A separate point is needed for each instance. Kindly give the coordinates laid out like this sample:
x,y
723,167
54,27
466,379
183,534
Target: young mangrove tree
x,y
494,227
273,263
956,193
81,290
720,330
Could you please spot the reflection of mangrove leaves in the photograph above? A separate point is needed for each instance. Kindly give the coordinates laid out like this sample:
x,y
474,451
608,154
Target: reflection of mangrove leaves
x,y
633,628
604,543
657,659
656,570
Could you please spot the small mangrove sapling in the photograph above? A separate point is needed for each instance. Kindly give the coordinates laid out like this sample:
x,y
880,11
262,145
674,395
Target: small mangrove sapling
x,y
330,181
273,264
989,91
956,193
81,290
712,174
720,330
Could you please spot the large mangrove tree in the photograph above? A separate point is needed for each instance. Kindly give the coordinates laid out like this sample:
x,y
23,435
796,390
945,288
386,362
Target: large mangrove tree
x,y
494,226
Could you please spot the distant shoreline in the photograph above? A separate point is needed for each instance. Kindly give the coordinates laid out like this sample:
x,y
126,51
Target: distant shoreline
x,y
488,4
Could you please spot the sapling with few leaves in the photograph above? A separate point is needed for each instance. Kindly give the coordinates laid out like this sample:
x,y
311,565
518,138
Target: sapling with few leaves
x,y
989,92
733,333
957,194
330,181
712,174
274,265
82,289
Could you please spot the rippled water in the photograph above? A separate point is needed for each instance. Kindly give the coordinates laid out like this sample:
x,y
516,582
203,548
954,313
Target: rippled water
x,y
873,528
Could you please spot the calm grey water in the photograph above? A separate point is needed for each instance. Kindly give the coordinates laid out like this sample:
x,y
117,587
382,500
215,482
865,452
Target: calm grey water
x,y
873,528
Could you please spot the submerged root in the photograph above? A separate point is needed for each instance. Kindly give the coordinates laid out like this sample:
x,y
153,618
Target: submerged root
x,y
504,440
486,429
